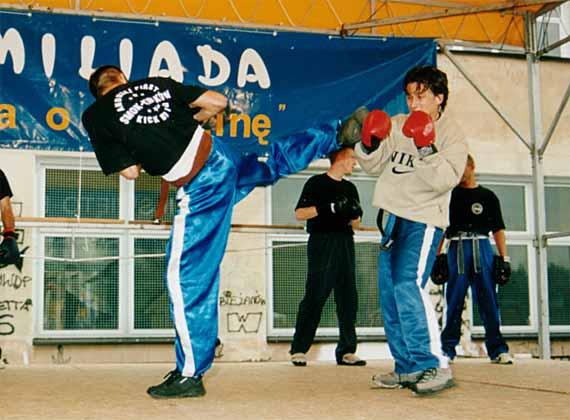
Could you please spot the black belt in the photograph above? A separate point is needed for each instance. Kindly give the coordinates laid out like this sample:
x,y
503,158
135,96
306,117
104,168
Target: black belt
x,y
470,236
388,225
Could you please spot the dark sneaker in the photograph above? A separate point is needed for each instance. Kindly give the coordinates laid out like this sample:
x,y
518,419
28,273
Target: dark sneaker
x,y
503,359
351,359
178,386
350,131
168,379
433,380
394,380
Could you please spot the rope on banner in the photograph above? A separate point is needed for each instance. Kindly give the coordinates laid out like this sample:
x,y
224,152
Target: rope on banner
x,y
132,8
188,14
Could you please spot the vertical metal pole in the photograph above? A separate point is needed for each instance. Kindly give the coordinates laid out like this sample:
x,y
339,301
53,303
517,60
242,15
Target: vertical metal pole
x,y
539,243
372,10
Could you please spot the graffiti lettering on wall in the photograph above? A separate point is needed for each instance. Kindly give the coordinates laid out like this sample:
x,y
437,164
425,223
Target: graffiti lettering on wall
x,y
7,310
6,325
439,306
438,303
14,280
247,323
241,320
230,299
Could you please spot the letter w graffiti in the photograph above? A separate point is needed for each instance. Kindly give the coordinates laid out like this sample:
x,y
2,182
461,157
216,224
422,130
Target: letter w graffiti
x,y
248,323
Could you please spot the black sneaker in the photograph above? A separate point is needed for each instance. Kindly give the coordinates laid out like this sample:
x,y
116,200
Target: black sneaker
x,y
177,386
168,379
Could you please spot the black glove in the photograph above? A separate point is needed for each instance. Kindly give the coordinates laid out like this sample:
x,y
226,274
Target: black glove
x,y
440,270
354,211
339,207
9,252
501,270
350,131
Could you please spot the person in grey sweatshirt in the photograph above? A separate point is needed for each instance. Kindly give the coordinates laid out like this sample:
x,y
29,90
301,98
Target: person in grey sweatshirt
x,y
418,159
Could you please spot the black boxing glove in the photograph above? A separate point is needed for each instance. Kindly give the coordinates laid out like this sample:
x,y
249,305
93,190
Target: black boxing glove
x,y
354,211
502,269
9,252
440,270
341,206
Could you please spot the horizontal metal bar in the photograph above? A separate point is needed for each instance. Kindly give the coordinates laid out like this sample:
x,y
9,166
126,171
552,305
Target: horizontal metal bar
x,y
432,3
556,235
487,46
54,341
497,7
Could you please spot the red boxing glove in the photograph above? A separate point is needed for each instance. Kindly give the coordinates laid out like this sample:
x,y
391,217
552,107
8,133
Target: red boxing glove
x,y
420,127
375,128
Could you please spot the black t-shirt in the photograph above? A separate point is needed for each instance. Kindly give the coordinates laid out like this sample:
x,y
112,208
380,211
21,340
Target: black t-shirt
x,y
147,122
474,210
5,190
322,190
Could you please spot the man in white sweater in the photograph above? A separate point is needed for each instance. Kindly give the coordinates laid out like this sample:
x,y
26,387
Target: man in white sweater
x,y
418,159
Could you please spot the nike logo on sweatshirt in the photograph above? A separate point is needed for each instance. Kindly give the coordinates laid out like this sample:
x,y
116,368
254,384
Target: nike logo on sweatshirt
x,y
398,172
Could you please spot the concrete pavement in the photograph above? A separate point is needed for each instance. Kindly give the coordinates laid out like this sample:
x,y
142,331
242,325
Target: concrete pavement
x,y
530,389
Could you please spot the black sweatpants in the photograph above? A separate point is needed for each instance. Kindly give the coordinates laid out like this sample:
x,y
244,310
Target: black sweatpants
x,y
331,266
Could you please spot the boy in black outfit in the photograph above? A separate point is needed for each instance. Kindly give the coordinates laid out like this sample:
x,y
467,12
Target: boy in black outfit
x,y
331,206
474,211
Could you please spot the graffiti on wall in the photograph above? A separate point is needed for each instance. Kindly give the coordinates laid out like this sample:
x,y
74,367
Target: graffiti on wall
x,y
437,294
10,311
242,316
15,291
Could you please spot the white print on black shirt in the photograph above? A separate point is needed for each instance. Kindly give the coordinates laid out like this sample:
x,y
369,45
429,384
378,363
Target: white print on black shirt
x,y
143,102
477,208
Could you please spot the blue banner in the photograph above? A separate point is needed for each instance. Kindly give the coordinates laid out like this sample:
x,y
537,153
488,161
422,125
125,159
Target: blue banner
x,y
283,81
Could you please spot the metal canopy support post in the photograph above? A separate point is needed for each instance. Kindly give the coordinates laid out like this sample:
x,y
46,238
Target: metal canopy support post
x,y
555,121
459,67
535,118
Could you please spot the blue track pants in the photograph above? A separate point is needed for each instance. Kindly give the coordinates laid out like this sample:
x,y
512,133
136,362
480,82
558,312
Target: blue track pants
x,y
201,228
484,292
409,318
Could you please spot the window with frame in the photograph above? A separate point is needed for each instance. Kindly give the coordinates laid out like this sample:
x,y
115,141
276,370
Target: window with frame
x,y
514,297
557,196
79,294
85,193
86,275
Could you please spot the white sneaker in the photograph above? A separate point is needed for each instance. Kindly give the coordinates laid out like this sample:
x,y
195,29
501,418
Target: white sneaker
x,y
433,380
351,359
503,359
299,359
394,380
